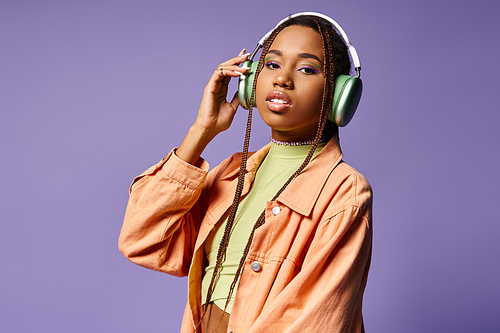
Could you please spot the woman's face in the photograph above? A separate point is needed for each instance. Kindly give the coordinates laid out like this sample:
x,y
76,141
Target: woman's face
x,y
289,88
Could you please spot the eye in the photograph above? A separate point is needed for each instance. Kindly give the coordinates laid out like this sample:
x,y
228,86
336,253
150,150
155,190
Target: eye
x,y
308,70
272,65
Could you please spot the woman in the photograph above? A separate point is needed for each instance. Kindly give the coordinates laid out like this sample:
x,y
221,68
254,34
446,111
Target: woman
x,y
274,241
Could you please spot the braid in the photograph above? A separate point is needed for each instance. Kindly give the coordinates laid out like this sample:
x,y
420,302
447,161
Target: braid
x,y
329,81
323,118
331,68
239,187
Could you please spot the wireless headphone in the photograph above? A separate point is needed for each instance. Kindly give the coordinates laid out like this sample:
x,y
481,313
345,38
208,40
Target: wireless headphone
x,y
347,88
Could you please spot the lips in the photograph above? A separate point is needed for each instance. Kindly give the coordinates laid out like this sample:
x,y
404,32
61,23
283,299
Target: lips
x,y
277,101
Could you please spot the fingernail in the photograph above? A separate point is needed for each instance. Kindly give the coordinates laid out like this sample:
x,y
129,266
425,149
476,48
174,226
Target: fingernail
x,y
246,54
245,67
243,51
239,73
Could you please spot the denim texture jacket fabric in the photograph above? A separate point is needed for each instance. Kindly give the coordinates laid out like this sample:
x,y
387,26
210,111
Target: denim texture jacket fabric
x,y
307,267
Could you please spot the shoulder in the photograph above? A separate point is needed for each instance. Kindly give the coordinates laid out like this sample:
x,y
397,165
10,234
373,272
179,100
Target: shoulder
x,y
353,178
347,187
229,168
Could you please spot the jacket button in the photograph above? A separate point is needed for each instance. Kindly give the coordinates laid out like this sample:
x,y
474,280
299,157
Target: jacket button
x,y
255,266
276,210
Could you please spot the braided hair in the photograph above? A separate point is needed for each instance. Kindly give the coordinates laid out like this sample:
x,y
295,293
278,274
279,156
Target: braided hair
x,y
336,62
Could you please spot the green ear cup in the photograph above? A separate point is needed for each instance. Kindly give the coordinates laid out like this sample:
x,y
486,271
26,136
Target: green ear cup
x,y
245,84
345,99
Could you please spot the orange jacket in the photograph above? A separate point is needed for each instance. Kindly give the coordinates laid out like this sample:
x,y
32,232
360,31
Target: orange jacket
x,y
310,258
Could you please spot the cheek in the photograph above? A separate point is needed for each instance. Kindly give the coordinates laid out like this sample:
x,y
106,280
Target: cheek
x,y
316,94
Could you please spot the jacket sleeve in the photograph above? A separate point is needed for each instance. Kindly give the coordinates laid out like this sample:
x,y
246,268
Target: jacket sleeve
x,y
163,215
326,295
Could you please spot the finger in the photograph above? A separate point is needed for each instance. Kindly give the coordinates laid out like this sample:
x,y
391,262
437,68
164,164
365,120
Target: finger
x,y
230,69
223,77
224,74
235,101
233,71
241,57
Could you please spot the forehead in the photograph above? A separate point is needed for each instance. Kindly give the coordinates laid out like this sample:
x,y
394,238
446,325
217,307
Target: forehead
x,y
299,39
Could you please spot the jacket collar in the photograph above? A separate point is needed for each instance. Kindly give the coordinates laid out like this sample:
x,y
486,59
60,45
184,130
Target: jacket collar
x,y
313,176
253,162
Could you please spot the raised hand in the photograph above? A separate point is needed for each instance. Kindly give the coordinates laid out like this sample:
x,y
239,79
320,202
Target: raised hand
x,y
215,113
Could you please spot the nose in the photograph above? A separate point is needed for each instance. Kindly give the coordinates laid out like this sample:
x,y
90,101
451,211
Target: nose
x,y
283,79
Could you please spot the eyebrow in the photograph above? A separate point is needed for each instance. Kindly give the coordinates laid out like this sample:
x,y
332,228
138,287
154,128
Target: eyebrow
x,y
300,55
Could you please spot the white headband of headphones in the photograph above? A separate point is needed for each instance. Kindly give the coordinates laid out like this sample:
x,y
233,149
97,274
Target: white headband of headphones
x,y
352,50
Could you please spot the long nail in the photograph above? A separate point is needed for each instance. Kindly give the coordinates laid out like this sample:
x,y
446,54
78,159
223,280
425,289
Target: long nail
x,y
243,51
239,73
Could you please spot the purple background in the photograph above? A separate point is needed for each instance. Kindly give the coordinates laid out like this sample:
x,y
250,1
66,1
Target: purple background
x,y
94,92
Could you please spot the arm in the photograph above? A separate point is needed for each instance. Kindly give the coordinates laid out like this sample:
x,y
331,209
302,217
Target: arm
x,y
163,216
164,209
